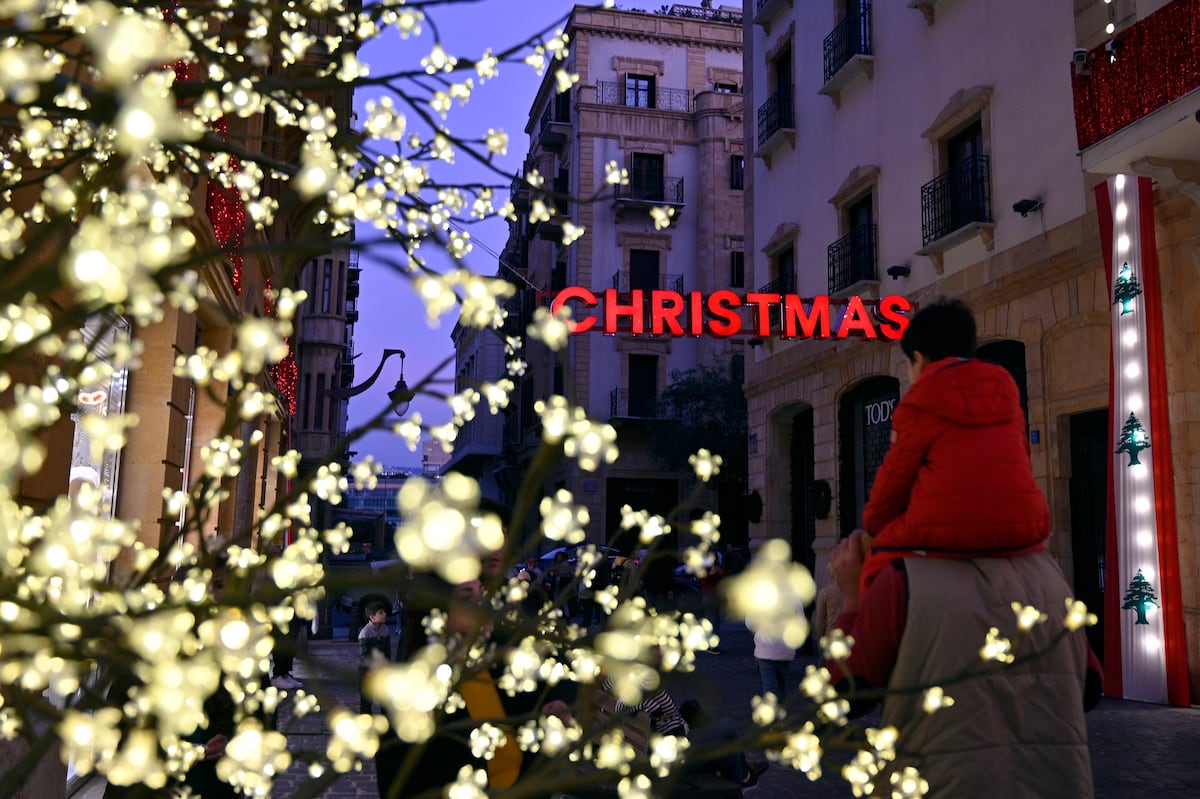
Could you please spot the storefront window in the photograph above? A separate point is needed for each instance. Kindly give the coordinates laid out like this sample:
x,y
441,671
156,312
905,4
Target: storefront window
x,y
105,397
865,422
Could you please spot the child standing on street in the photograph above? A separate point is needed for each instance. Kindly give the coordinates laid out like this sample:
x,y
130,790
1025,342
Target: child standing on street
x,y
374,646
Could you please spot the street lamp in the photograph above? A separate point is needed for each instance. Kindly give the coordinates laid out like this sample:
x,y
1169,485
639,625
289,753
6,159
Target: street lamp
x,y
400,395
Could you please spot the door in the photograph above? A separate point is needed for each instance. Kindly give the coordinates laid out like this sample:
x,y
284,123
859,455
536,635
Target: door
x,y
646,182
804,521
1089,506
968,175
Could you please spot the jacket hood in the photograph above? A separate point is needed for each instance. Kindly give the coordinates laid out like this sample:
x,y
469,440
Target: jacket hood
x,y
967,392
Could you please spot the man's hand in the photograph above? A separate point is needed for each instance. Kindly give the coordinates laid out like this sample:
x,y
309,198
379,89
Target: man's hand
x,y
847,562
214,747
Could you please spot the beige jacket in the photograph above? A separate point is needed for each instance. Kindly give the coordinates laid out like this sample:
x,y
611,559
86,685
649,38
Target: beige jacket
x,y
1018,731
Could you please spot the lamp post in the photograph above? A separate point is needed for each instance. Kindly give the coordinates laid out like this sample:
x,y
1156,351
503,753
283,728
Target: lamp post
x,y
400,395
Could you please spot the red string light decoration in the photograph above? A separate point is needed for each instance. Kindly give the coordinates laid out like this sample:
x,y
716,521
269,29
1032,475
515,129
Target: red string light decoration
x,y
285,373
1158,62
227,214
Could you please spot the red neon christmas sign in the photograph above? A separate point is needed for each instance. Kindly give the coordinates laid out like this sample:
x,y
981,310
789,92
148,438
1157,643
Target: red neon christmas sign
x,y
670,313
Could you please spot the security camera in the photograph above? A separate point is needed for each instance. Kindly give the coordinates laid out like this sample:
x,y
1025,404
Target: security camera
x,y
1080,59
1113,45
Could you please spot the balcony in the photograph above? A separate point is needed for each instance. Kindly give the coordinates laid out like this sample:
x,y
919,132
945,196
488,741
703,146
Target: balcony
x,y
853,261
733,17
956,206
351,311
784,284
642,195
611,93
848,52
627,403
622,284
554,129
519,194
766,10
1136,112
552,229
776,123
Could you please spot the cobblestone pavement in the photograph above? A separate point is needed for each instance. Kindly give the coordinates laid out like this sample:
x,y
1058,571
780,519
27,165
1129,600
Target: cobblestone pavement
x,y
1138,750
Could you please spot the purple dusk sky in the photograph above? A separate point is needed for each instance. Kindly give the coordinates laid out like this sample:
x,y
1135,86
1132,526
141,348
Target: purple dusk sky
x,y
391,315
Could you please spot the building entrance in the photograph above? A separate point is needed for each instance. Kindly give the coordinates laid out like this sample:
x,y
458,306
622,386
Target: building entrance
x,y
1089,506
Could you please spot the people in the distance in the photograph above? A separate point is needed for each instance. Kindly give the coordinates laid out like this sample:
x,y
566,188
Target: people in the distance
x,y
374,648
826,608
438,760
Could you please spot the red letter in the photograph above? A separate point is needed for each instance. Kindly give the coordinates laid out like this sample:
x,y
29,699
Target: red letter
x,y
722,305
856,320
613,310
575,293
666,306
793,312
762,317
893,308
695,313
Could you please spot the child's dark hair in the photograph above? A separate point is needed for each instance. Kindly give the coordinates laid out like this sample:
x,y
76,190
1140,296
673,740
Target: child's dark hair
x,y
943,329
374,607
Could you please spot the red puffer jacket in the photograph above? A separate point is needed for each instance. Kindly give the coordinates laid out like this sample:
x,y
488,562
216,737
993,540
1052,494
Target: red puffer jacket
x,y
956,481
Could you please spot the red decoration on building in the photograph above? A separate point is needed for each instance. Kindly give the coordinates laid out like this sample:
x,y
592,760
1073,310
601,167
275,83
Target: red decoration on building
x,y
228,215
1158,62
285,373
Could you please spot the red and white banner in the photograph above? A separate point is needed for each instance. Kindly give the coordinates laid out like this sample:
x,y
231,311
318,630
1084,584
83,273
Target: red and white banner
x,y
1145,655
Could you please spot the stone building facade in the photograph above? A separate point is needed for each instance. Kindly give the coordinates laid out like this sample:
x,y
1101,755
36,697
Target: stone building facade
x,y
890,159
659,95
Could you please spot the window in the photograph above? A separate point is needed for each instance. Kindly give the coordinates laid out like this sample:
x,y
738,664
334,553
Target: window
x,y
643,384
725,88
639,90
318,422
646,180
737,172
968,175
310,283
643,270
737,269
865,427
783,270
852,257
327,285
562,107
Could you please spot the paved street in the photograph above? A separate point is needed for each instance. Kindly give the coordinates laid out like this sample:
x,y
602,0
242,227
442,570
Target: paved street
x,y
1138,750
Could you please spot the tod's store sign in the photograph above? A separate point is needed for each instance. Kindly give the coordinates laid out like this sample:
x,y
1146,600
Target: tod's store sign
x,y
725,313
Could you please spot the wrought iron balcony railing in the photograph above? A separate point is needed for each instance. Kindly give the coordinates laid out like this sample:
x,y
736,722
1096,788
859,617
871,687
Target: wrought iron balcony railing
x,y
956,198
851,37
610,93
554,127
621,283
710,14
775,114
627,403
853,258
668,190
784,284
